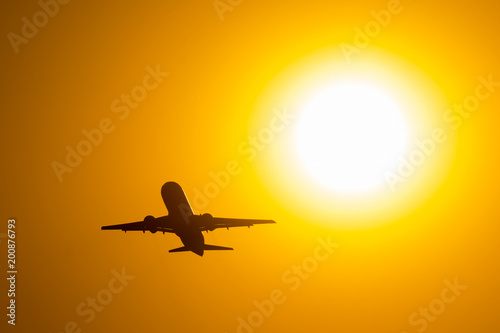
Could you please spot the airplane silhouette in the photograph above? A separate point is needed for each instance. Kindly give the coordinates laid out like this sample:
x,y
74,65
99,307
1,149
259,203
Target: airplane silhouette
x,y
182,222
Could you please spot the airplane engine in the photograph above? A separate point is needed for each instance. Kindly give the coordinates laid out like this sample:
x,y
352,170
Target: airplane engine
x,y
208,221
149,221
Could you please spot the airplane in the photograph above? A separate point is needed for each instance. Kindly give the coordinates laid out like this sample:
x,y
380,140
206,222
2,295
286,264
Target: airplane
x,y
184,223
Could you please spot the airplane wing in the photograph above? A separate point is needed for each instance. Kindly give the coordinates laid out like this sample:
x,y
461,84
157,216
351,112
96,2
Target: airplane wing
x,y
138,226
211,223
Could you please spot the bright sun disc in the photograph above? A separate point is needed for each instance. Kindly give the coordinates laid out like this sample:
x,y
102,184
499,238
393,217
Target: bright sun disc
x,y
349,135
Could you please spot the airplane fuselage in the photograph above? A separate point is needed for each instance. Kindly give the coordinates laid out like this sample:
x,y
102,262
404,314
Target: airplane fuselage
x,y
186,229
192,238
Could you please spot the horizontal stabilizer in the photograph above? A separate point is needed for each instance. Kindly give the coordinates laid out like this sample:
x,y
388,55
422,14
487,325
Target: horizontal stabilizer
x,y
215,247
199,252
180,249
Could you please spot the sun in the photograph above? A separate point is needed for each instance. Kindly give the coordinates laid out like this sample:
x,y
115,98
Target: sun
x,y
345,157
349,135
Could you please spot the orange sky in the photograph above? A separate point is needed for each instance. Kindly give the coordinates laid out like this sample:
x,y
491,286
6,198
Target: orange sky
x,y
202,77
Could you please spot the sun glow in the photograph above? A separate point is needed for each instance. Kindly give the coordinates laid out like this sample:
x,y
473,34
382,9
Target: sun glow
x,y
353,125
349,135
